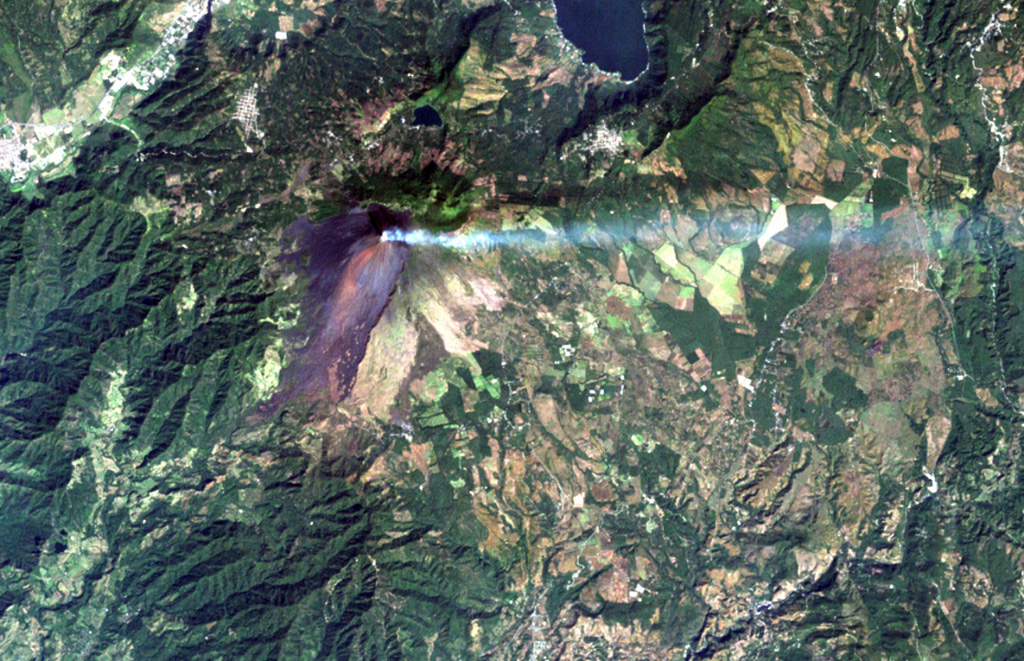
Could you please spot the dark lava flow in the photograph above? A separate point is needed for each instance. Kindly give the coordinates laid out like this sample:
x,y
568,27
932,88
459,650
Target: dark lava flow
x,y
350,273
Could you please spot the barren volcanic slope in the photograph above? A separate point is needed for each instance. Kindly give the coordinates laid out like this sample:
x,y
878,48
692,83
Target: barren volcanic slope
x,y
726,361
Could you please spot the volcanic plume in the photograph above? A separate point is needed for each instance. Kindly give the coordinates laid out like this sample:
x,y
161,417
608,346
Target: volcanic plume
x,y
350,270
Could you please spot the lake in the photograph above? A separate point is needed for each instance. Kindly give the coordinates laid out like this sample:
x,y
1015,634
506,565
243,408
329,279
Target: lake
x,y
609,32
426,116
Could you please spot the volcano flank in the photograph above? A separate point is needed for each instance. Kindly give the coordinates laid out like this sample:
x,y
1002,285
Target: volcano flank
x,y
350,271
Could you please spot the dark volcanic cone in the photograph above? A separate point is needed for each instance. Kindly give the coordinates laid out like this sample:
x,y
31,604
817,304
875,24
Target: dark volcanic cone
x,y
350,273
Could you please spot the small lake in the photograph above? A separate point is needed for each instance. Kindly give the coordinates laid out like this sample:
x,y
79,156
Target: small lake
x,y
609,32
426,116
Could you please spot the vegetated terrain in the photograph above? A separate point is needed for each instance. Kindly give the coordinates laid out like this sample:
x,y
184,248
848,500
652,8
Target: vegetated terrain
x,y
769,404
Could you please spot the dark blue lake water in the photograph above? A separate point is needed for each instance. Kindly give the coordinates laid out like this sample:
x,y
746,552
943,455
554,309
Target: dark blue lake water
x,y
426,116
609,32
